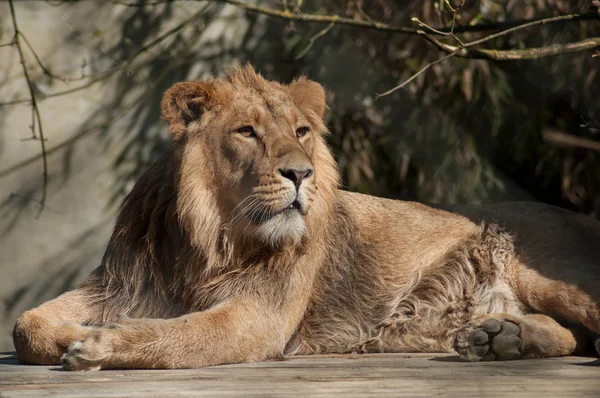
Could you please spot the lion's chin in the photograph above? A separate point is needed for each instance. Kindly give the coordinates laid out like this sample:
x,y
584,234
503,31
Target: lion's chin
x,y
286,226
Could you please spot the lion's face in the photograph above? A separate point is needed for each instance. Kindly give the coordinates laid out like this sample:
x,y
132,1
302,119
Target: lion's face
x,y
253,142
262,157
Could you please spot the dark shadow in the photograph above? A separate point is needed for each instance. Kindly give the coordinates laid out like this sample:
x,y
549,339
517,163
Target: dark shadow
x,y
453,358
457,359
15,205
529,223
593,363
9,358
62,272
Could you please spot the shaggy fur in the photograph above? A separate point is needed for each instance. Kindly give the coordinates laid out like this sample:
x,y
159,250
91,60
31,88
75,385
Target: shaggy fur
x,y
238,245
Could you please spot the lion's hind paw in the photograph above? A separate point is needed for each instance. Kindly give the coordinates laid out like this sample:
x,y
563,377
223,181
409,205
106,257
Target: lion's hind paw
x,y
492,340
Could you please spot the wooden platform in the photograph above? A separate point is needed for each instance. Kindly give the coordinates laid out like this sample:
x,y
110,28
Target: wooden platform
x,y
405,375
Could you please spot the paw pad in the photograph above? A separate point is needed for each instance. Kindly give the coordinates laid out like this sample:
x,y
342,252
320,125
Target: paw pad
x,y
492,340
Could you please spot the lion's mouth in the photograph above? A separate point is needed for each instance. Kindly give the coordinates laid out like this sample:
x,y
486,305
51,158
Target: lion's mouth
x,y
263,216
295,205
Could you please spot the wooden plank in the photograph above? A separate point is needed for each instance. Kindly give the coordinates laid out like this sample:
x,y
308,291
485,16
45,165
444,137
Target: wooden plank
x,y
410,375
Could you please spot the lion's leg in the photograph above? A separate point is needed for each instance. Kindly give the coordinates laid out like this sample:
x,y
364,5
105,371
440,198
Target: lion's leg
x,y
505,337
230,333
42,335
572,296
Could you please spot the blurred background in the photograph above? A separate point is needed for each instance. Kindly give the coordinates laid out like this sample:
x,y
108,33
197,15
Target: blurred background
x,y
464,131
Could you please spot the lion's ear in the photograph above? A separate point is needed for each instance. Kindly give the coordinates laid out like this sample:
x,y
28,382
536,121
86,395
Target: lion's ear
x,y
307,94
183,103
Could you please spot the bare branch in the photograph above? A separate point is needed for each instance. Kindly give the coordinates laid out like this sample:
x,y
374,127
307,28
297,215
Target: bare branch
x,y
36,117
530,24
365,23
368,23
364,14
122,66
512,55
542,21
90,83
421,71
35,110
321,33
317,18
564,139
463,49
145,3
39,61
291,16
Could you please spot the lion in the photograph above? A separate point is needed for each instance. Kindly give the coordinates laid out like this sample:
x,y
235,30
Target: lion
x,y
238,245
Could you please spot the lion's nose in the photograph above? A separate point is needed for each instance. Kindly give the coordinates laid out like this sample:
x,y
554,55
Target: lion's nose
x,y
296,176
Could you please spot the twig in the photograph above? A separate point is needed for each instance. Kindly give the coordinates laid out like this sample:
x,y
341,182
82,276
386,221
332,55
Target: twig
x,y
542,21
89,129
28,199
421,71
145,3
168,33
454,15
35,109
558,137
364,14
321,33
90,83
39,61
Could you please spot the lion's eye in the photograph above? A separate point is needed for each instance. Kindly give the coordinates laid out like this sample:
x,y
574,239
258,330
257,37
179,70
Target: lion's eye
x,y
301,132
246,131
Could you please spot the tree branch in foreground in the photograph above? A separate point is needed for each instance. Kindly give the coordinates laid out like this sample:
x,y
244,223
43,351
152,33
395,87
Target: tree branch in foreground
x,y
464,50
461,50
364,23
513,55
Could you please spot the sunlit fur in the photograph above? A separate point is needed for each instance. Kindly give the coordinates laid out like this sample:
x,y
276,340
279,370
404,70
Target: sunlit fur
x,y
211,267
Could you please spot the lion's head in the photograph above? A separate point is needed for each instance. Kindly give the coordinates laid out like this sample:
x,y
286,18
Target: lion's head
x,y
251,156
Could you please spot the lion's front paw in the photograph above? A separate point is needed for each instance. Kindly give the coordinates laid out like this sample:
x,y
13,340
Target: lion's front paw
x,y
90,353
494,339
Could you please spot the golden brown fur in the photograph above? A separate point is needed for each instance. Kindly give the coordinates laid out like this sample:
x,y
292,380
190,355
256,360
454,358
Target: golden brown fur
x,y
238,245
